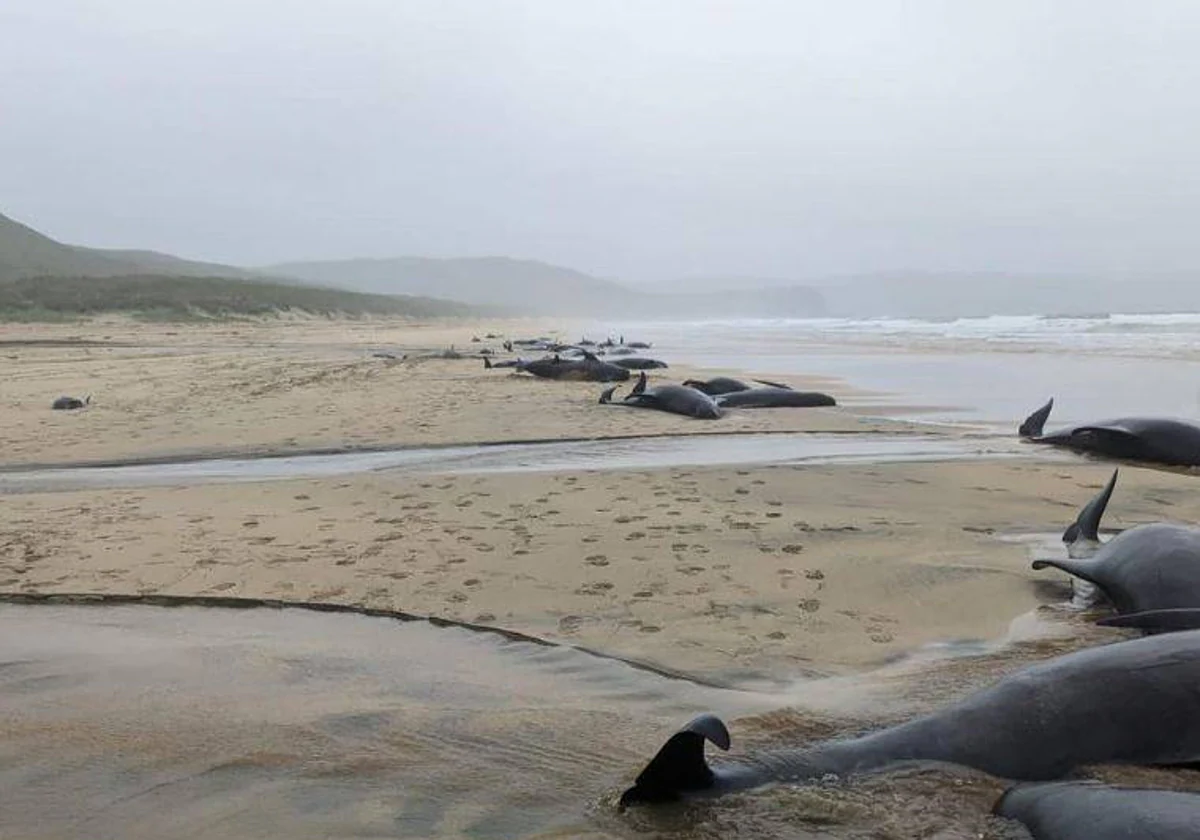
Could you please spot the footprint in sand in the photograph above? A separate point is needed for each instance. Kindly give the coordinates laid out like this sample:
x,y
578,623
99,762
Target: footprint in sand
x,y
595,588
810,605
596,560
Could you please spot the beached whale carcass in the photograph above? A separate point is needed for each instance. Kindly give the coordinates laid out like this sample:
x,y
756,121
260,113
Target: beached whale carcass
x,y
1141,571
1132,702
1156,440
675,399
1092,811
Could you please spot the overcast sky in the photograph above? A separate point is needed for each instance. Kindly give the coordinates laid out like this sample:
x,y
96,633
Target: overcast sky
x,y
643,139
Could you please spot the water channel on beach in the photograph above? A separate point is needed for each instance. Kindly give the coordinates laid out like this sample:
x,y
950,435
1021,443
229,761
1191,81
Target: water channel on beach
x,y
556,456
143,721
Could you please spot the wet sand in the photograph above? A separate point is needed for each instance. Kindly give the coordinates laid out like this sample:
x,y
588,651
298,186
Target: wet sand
x,y
767,570
740,574
720,570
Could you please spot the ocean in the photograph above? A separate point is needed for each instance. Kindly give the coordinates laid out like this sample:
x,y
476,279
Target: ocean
x,y
989,371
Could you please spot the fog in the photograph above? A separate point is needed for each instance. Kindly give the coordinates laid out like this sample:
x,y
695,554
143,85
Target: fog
x,y
634,140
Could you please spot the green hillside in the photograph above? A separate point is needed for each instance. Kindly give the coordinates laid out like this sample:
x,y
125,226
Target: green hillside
x,y
159,296
26,253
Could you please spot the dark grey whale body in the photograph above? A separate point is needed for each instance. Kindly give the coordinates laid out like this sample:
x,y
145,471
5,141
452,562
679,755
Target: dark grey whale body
x,y
676,399
725,385
1156,440
587,369
639,363
1146,568
1132,702
774,397
1091,811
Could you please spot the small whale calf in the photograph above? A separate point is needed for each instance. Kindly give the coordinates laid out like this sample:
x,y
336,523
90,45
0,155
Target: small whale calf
x,y
70,403
1131,702
1155,440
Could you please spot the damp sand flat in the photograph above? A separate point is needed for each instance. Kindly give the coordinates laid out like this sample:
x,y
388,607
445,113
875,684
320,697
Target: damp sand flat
x,y
713,570
621,454
152,722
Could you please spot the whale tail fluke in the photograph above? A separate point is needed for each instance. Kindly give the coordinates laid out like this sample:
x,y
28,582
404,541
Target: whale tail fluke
x,y
1087,525
487,362
1164,621
679,766
640,387
1034,423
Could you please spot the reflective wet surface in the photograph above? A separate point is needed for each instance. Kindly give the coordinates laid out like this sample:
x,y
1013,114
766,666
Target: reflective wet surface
x,y
154,722
141,721
629,453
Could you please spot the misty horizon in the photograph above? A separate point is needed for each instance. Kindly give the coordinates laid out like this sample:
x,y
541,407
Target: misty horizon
x,y
639,144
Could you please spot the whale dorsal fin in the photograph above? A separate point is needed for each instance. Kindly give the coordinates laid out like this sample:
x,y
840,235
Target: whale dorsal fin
x,y
1184,618
679,765
1087,524
1034,423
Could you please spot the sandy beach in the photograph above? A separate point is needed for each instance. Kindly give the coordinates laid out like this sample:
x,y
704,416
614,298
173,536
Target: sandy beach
x,y
769,570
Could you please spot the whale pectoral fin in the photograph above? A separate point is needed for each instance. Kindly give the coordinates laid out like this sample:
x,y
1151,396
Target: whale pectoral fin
x,y
1087,524
679,765
1183,618
1082,569
1034,423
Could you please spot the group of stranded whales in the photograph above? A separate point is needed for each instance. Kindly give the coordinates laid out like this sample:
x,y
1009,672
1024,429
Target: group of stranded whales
x,y
702,399
1133,702
691,401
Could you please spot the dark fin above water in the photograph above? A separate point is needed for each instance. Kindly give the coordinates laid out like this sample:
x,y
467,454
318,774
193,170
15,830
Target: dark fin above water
x,y
1183,618
606,395
679,766
1081,569
1087,524
1034,423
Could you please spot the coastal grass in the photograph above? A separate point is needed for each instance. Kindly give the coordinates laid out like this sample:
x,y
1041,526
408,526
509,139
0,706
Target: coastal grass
x,y
168,298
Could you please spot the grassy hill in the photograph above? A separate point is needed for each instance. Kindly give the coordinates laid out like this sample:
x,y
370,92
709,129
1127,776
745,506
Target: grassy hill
x,y
159,296
26,253
41,278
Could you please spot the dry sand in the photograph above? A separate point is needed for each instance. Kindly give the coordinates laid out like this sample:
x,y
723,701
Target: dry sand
x,y
174,390
725,571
